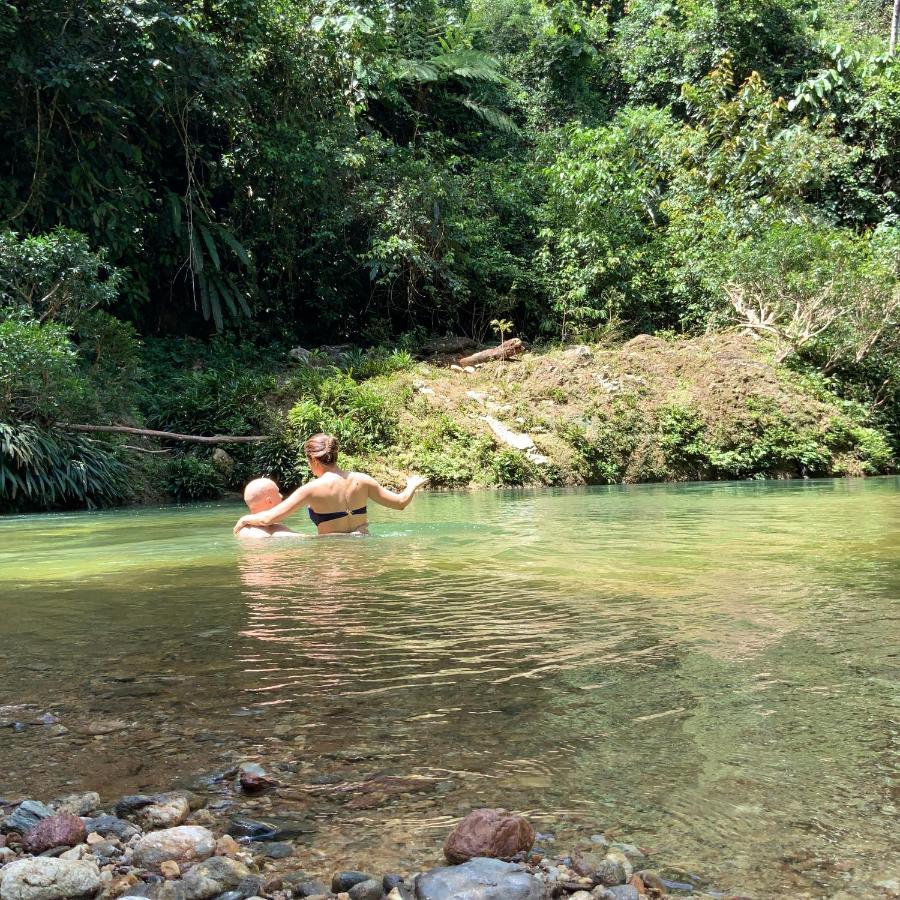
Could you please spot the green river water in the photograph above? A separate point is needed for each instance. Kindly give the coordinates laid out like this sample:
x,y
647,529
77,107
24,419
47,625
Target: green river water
x,y
706,670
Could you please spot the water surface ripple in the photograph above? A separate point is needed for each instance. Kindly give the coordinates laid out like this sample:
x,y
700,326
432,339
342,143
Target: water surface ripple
x,y
707,669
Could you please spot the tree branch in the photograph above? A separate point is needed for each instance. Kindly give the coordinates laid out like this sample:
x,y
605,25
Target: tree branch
x,y
168,435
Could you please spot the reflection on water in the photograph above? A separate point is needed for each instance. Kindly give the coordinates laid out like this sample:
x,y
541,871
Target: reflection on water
x,y
707,668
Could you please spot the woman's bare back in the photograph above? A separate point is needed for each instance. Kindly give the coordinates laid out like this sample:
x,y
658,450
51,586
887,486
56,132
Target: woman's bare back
x,y
340,492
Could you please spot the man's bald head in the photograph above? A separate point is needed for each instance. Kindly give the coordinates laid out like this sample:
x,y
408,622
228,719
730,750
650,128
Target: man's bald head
x,y
261,494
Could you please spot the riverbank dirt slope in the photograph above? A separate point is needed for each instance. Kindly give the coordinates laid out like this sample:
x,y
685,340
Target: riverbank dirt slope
x,y
649,410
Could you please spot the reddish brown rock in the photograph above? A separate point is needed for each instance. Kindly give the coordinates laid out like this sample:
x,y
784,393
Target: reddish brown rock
x,y
252,783
61,830
489,832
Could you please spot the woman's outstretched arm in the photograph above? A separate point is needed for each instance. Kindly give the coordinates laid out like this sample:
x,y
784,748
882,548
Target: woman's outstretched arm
x,y
392,499
276,514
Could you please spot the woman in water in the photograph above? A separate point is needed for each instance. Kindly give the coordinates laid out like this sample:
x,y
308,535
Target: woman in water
x,y
336,499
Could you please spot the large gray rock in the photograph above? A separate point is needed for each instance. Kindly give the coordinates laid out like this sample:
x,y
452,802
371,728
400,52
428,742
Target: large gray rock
x,y
77,804
212,877
26,815
479,879
185,844
44,878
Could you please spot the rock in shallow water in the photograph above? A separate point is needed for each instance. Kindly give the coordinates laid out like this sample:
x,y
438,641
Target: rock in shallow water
x,y
270,830
55,831
489,832
156,811
214,876
343,881
43,878
77,804
479,879
185,844
366,890
309,889
621,892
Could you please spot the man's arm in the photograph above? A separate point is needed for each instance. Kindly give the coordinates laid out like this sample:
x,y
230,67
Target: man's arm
x,y
391,499
289,505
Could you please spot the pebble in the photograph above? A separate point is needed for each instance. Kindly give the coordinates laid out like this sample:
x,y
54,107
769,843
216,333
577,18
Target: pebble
x,y
169,869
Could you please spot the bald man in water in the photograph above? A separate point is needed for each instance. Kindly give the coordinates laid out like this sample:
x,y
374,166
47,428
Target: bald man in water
x,y
260,496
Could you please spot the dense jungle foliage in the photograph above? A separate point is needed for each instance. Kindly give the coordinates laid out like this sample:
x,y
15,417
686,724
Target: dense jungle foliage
x,y
282,172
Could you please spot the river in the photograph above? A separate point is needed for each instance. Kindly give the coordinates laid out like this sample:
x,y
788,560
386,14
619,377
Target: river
x,y
706,670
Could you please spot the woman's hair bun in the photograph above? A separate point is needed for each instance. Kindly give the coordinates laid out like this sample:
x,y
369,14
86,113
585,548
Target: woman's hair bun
x,y
322,447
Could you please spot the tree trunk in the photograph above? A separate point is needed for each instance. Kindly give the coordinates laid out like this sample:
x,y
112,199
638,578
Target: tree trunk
x,y
895,26
166,435
504,351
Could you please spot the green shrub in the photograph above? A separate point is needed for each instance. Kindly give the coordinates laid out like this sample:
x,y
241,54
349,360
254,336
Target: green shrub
x,y
360,417
680,435
867,447
438,447
44,469
55,276
191,478
216,401
513,468
603,447
280,459
39,374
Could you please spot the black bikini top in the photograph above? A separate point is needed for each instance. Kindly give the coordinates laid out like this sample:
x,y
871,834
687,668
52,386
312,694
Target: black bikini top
x,y
319,518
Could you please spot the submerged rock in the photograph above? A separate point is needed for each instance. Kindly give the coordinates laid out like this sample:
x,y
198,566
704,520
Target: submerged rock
x,y
270,830
479,879
278,851
43,878
185,844
611,872
489,832
64,829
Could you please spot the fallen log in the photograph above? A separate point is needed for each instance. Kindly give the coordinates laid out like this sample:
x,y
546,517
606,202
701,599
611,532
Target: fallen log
x,y
504,351
167,435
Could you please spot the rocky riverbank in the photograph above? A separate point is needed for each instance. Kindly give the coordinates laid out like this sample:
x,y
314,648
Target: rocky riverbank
x,y
169,846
